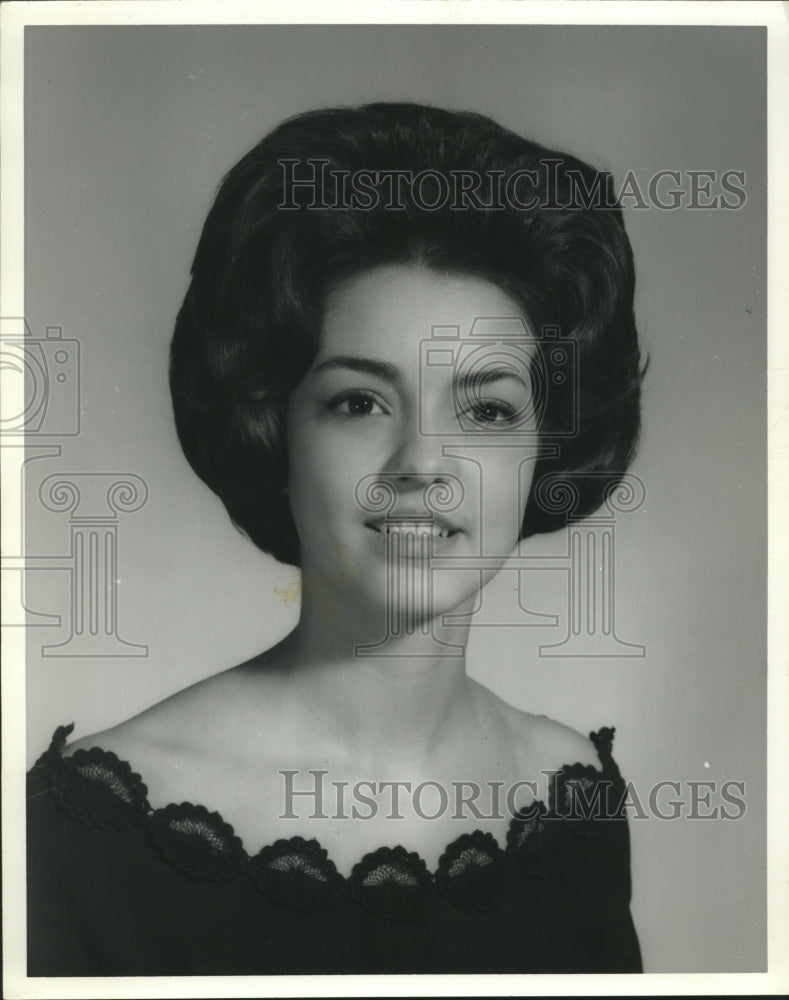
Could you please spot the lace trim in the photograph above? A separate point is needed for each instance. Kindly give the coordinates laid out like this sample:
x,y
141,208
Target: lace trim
x,y
100,791
392,883
473,872
298,873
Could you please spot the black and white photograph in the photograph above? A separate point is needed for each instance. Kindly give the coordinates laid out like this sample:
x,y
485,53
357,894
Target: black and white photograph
x,y
385,443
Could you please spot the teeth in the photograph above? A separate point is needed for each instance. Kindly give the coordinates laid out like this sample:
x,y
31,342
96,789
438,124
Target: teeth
x,y
410,528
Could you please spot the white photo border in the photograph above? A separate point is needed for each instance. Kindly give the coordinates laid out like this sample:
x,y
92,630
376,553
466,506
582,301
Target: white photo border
x,y
15,17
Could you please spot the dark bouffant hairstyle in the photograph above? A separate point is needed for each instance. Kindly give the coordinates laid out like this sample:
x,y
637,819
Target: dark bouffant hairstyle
x,y
272,250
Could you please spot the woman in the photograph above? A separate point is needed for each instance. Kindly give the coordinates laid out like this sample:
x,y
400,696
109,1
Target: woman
x,y
402,324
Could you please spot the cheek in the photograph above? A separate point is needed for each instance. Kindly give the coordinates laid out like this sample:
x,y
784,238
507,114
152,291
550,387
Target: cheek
x,y
305,477
525,485
319,479
506,491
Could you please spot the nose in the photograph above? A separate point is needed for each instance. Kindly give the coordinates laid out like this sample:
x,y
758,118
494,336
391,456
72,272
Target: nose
x,y
420,477
416,459
414,477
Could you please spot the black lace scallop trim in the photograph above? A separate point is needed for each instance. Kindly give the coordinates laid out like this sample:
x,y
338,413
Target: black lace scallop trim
x,y
392,883
100,791
536,842
589,798
197,842
299,874
473,872
94,786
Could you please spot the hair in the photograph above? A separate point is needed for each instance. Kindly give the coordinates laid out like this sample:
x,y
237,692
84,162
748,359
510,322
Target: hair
x,y
270,254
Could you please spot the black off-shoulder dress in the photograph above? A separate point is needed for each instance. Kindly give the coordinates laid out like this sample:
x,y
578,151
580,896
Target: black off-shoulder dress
x,y
116,888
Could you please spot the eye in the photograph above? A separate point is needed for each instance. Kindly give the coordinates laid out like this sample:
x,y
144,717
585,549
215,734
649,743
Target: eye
x,y
491,412
356,403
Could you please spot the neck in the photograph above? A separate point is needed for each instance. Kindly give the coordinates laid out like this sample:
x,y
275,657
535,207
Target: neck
x,y
378,693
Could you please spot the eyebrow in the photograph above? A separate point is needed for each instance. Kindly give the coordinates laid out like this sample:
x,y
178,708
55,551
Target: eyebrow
x,y
474,379
366,366
391,373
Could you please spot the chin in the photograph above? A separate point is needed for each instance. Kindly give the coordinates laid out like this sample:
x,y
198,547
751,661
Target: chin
x,y
415,597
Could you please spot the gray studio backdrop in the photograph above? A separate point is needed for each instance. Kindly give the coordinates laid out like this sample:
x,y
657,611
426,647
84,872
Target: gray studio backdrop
x,y
128,131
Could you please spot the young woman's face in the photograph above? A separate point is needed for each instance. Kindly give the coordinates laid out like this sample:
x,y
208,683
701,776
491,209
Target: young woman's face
x,y
411,438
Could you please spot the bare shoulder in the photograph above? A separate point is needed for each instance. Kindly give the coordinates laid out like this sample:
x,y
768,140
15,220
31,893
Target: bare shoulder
x,y
190,725
158,731
563,744
536,740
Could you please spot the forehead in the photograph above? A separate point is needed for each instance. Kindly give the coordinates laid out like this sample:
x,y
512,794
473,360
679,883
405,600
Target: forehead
x,y
389,311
